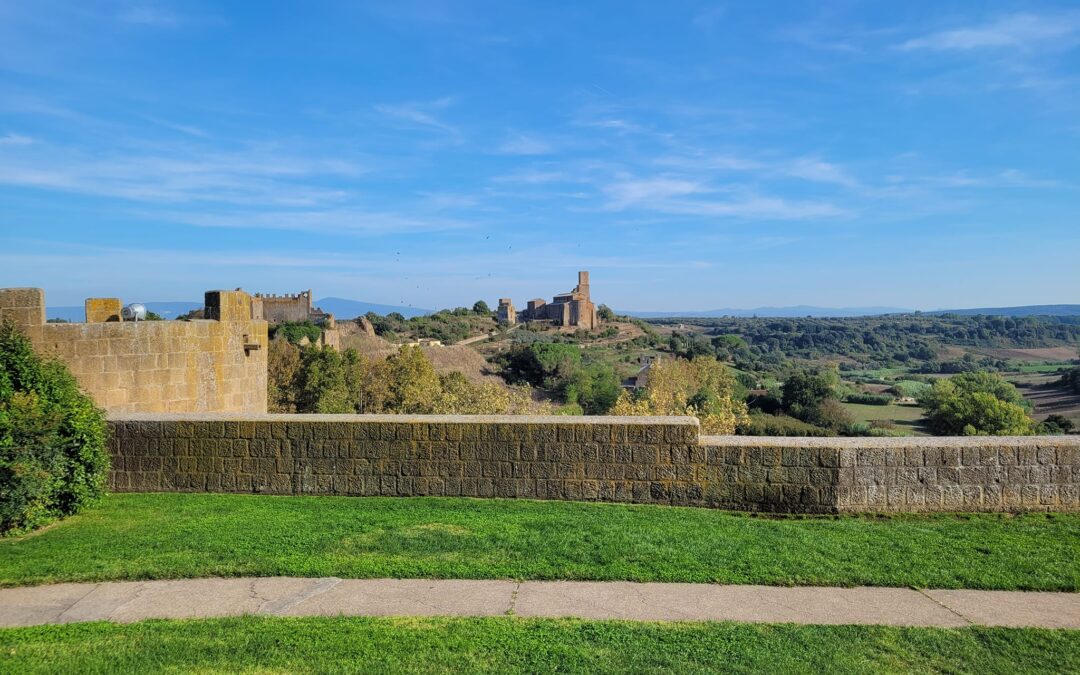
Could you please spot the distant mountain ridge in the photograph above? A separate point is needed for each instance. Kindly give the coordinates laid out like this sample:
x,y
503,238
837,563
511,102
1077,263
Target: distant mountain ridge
x,y
343,308
842,312
779,312
1025,310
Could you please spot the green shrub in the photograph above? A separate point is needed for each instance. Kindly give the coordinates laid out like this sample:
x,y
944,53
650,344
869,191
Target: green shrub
x,y
295,331
910,389
761,424
869,399
977,404
1071,380
876,428
53,459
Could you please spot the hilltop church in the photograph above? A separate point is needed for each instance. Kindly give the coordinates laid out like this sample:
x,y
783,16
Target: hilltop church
x,y
566,309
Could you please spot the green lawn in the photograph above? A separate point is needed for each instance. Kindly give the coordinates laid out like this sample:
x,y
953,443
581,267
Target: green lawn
x,y
156,536
511,645
905,416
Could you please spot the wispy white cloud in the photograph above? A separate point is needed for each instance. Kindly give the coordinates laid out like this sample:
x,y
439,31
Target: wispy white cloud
x,y
522,144
149,15
349,221
534,177
176,174
811,169
710,162
679,196
755,207
1020,31
816,170
632,191
186,129
15,139
620,125
708,17
422,114
1008,178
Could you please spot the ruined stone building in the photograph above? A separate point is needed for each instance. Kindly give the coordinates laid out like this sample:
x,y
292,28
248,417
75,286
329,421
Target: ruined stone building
x,y
274,309
506,312
566,309
295,308
216,364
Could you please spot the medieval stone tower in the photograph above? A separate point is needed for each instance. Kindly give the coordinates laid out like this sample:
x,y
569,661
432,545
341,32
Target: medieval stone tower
x,y
575,308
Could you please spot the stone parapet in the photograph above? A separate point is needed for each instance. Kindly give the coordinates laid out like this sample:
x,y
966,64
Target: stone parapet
x,y
153,366
658,460
982,473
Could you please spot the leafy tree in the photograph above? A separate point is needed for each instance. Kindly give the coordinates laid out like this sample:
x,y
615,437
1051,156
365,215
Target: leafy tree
x,y
414,384
282,369
460,397
191,315
702,387
805,390
595,388
605,313
481,307
153,316
1056,424
322,385
982,404
541,363
296,331
1071,380
53,459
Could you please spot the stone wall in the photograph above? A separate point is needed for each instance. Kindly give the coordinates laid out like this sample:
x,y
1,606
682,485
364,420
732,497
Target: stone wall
x,y
1036,473
155,366
625,459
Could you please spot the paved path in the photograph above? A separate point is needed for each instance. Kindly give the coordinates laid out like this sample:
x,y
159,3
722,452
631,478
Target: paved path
x,y
286,596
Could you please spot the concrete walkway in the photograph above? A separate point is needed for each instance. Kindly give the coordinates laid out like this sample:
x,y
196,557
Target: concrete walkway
x,y
286,596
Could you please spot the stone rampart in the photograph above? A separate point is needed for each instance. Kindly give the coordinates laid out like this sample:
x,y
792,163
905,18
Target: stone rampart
x,y
216,365
657,460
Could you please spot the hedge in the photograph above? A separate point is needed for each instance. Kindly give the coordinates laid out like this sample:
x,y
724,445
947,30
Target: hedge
x,y
53,459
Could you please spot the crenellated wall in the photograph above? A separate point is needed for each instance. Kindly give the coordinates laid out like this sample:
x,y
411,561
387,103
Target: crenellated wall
x,y
659,460
212,365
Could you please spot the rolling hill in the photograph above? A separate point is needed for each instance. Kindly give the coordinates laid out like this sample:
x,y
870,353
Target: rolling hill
x,y
1026,310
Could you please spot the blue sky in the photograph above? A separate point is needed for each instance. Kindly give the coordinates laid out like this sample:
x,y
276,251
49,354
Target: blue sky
x,y
691,155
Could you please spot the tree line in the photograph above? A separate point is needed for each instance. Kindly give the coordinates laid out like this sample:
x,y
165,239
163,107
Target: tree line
x,y
766,344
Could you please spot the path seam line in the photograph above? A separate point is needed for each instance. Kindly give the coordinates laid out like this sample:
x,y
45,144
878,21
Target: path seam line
x,y
60,616
277,607
939,603
513,599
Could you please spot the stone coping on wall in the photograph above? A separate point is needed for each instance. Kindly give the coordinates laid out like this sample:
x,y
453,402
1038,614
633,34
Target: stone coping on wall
x,y
891,442
589,420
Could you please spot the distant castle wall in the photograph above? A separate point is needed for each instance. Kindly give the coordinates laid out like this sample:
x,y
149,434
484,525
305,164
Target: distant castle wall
x,y
297,308
288,308
212,365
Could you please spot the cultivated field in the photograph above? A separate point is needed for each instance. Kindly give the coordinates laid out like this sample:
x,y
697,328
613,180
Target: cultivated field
x,y
1048,398
906,417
